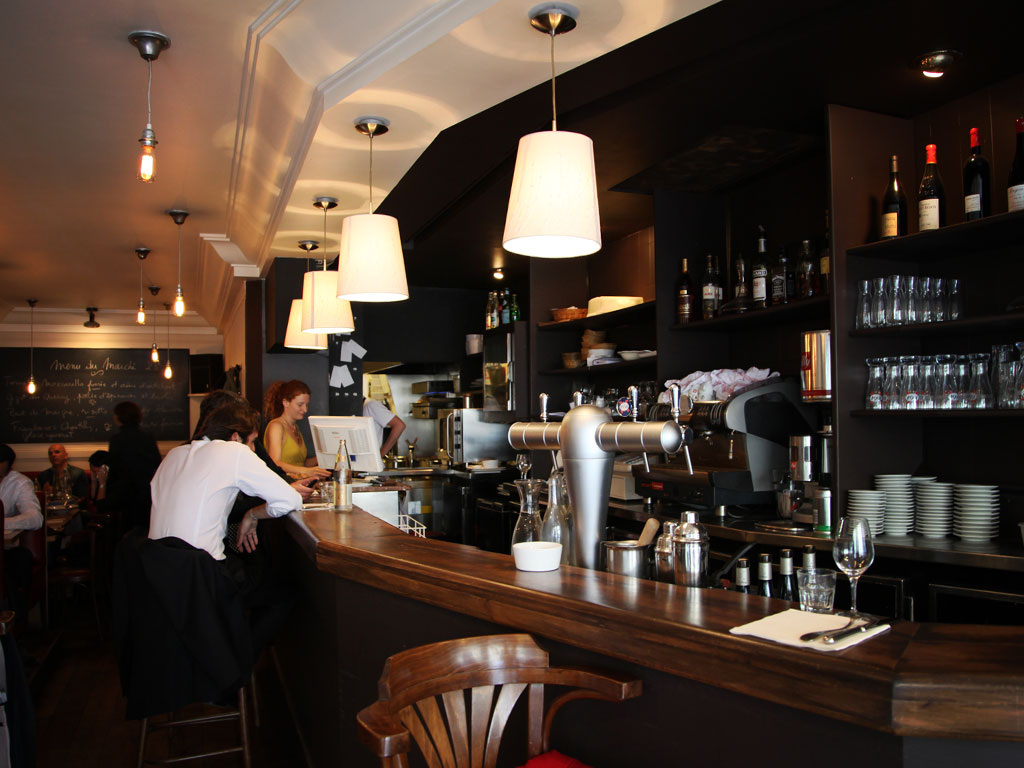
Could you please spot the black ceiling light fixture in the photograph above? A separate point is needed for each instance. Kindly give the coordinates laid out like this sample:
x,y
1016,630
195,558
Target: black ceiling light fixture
x,y
149,45
91,322
140,317
935,64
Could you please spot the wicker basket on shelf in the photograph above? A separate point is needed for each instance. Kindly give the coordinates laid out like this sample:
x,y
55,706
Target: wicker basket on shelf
x,y
568,313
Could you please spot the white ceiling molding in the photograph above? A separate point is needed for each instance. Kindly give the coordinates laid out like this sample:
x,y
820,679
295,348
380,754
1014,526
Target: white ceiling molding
x,y
231,254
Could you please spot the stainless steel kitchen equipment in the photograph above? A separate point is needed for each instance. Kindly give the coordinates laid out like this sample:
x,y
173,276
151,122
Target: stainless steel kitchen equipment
x,y
737,445
664,553
816,366
690,549
626,557
465,437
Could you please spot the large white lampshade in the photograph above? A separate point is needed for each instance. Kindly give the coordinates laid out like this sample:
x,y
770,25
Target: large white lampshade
x,y
371,266
294,338
552,209
322,310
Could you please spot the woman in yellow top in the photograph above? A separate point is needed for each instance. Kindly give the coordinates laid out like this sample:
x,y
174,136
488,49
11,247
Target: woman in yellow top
x,y
285,404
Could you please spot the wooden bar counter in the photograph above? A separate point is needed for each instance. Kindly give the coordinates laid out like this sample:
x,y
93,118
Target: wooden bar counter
x,y
918,695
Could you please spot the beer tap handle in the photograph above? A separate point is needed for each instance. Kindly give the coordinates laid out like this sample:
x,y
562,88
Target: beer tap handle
x,y
674,392
543,406
634,405
686,453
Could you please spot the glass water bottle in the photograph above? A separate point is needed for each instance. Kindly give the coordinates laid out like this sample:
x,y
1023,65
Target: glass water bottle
x,y
528,524
556,525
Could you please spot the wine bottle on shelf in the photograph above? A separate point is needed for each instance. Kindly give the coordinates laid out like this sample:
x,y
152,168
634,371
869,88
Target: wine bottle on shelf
x,y
977,200
825,261
684,294
743,575
764,576
709,290
807,273
720,281
1015,186
894,204
489,312
809,556
506,306
513,311
931,199
741,286
759,284
787,581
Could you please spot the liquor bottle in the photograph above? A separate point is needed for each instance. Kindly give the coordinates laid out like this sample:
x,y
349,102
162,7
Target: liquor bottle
x,y
809,557
741,284
743,575
977,200
684,294
709,290
764,575
1015,185
931,199
513,312
787,581
807,273
759,286
506,307
825,260
894,204
780,279
489,312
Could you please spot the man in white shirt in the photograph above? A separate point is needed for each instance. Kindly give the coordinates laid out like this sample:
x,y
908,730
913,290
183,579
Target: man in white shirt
x,y
196,485
21,505
382,417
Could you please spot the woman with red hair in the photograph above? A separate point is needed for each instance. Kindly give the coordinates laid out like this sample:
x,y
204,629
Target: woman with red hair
x,y
286,404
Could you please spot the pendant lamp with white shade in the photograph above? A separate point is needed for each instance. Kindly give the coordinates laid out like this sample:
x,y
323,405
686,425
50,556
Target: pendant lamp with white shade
x,y
322,310
371,265
552,208
294,336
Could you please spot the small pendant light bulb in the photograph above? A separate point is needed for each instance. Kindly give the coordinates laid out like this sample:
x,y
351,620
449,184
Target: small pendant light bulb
x,y
154,353
140,318
31,388
179,303
147,158
168,373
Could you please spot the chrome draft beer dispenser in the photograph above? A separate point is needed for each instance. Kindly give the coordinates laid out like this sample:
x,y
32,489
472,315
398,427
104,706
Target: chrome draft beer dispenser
x,y
589,440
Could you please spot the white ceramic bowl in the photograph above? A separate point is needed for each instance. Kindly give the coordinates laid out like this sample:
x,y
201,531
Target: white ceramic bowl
x,y
537,555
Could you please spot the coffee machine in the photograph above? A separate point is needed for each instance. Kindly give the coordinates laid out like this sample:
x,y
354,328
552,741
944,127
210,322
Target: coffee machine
x,y
739,447
811,461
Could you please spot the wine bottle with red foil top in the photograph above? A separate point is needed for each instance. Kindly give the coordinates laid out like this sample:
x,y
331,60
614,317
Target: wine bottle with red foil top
x,y
1015,187
977,200
931,198
894,204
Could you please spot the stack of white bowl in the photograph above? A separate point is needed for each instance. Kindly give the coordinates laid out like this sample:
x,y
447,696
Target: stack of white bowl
x,y
899,503
976,512
869,505
933,512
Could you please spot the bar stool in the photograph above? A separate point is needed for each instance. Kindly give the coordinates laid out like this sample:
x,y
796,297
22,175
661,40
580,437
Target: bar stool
x,y
423,699
151,724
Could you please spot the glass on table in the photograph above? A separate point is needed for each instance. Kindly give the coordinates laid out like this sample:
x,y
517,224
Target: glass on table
x,y
816,588
854,551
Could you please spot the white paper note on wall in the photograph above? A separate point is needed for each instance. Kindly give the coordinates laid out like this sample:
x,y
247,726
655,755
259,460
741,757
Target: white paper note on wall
x,y
356,349
341,377
344,355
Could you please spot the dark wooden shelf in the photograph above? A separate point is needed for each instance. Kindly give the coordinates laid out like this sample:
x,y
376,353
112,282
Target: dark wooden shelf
x,y
635,314
962,326
936,413
597,370
808,309
994,232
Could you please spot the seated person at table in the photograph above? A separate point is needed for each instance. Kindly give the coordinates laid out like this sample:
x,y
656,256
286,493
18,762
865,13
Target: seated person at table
x,y
62,477
21,513
286,404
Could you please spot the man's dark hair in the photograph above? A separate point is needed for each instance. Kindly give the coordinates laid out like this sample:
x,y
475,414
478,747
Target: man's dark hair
x,y
128,413
237,417
99,458
216,399
7,454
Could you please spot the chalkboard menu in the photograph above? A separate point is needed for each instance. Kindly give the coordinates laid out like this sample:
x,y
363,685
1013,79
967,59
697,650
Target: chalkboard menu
x,y
78,389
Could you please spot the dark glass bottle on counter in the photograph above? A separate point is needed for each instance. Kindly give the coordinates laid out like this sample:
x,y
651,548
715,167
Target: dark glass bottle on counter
x,y
710,290
513,311
684,294
506,307
825,260
782,279
1015,184
894,204
743,575
760,281
807,273
787,581
809,556
931,197
977,199
764,576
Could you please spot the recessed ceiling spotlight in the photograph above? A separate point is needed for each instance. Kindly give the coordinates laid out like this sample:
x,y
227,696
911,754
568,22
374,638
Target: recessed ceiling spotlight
x,y
499,274
937,63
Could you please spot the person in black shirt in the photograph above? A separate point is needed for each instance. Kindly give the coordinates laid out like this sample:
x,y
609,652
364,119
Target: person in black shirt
x,y
134,458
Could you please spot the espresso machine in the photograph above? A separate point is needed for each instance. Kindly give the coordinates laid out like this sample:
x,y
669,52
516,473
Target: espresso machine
x,y
739,447
589,440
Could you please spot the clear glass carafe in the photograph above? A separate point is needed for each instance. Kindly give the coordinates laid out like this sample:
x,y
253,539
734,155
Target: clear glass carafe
x,y
892,394
947,390
979,391
927,366
557,520
911,385
963,381
528,525
863,319
876,383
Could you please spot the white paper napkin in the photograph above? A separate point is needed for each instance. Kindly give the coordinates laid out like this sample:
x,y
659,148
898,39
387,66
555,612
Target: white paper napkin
x,y
788,626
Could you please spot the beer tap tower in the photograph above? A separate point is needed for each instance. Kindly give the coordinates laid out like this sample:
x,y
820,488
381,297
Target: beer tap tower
x,y
589,440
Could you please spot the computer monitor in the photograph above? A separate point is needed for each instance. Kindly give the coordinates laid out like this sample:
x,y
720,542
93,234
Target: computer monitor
x,y
363,448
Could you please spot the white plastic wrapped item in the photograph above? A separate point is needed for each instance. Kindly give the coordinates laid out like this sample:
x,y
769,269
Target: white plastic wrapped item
x,y
719,384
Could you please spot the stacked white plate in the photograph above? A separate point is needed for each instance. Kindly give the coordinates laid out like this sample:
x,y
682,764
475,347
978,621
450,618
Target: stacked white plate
x,y
976,512
869,505
933,509
899,503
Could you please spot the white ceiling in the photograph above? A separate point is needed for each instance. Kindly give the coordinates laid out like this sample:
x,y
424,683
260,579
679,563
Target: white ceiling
x,y
253,106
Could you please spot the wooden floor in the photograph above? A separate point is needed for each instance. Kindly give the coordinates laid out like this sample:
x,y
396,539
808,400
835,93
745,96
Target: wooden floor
x,y
80,711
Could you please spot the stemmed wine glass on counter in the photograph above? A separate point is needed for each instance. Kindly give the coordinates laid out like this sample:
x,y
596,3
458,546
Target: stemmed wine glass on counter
x,y
523,464
853,551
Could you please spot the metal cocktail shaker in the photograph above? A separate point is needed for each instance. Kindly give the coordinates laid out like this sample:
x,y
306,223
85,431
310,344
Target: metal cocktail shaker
x,y
664,552
690,548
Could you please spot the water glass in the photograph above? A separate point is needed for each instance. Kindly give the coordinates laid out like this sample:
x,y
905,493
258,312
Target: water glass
x,y
953,298
862,319
876,384
963,381
927,363
979,391
892,395
938,297
817,589
924,305
946,391
895,300
913,299
878,302
911,386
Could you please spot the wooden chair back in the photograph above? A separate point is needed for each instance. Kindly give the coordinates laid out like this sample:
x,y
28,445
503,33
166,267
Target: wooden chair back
x,y
453,700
